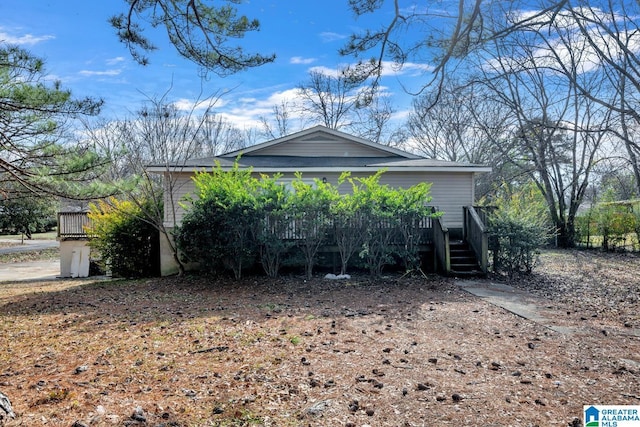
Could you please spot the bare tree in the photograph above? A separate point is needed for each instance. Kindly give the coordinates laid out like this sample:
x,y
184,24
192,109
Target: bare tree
x,y
447,33
338,103
280,123
572,39
216,136
330,100
161,135
612,34
458,128
374,122
559,133
579,39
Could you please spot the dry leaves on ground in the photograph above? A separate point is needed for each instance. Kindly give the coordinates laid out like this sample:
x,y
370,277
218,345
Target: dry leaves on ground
x,y
392,352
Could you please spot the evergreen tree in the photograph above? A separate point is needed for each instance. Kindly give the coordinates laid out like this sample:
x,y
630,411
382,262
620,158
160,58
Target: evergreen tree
x,y
35,156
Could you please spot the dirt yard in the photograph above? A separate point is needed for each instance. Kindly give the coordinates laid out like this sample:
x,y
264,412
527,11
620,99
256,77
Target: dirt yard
x,y
397,352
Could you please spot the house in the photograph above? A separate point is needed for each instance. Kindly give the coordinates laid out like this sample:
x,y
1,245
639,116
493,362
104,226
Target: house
x,y
323,153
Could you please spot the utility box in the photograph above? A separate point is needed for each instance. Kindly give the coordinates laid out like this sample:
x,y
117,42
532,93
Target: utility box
x,y
74,258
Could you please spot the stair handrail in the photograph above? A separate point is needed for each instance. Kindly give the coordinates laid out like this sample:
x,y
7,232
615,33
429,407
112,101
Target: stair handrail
x,y
476,235
442,252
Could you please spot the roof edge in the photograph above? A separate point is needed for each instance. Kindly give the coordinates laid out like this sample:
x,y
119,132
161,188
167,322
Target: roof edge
x,y
317,128
370,169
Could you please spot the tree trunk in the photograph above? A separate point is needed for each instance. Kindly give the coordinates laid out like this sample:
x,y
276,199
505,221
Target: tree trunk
x,y
565,235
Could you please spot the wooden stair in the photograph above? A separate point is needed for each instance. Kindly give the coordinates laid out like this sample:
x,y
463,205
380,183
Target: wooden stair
x,y
463,259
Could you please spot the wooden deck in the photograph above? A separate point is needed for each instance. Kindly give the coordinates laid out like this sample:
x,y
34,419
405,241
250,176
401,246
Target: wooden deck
x,y
73,226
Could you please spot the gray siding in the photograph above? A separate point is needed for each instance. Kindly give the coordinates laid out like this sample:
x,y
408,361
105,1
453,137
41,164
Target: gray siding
x,y
173,200
321,147
450,191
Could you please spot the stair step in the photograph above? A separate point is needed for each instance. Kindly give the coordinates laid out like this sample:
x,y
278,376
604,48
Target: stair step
x,y
463,259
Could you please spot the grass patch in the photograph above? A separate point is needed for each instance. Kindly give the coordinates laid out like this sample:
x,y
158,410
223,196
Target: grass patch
x,y
295,340
52,254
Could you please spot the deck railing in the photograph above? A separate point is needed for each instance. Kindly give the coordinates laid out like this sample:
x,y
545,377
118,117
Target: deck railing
x,y
484,212
296,228
441,245
73,225
476,235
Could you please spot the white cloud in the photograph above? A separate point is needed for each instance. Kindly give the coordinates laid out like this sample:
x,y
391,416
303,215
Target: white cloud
x,y
27,39
301,60
246,113
243,111
90,73
411,68
116,60
326,71
329,36
184,104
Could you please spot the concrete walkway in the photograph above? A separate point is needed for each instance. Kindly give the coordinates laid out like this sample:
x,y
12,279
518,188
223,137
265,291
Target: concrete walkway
x,y
29,270
514,300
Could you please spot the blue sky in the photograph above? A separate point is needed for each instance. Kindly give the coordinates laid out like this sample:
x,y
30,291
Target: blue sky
x,y
82,51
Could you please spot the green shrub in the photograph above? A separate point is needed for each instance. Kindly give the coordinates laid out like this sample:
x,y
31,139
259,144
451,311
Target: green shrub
x,y
128,245
220,229
235,219
393,219
26,213
586,226
198,238
614,224
519,227
350,225
309,208
273,225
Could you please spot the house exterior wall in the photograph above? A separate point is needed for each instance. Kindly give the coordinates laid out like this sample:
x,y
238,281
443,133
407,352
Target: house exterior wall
x,y
175,194
449,191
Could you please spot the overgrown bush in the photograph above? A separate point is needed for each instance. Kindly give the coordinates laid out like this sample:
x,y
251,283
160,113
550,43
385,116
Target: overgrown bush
x,y
391,213
411,211
273,224
236,219
350,225
128,245
309,207
614,222
221,227
519,227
